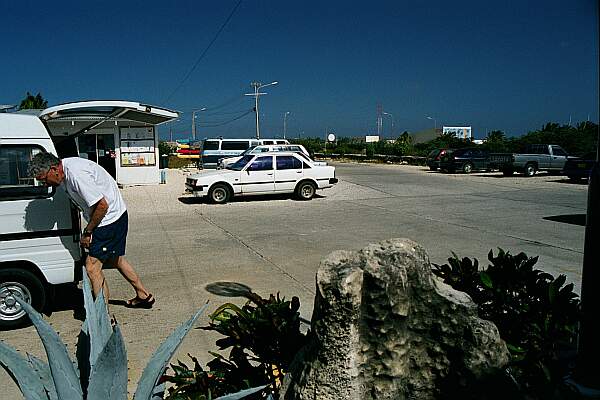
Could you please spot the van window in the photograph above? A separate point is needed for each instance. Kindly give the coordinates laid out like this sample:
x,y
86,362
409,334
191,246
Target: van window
x,y
211,145
268,142
281,141
235,145
15,183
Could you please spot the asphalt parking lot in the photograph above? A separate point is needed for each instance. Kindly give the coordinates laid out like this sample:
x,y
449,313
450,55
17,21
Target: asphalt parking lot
x,y
180,244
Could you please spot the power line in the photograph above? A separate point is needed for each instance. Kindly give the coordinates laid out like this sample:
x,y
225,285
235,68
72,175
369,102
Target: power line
x,y
204,52
229,121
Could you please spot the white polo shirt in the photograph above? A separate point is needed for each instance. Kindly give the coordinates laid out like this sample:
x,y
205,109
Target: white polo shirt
x,y
87,182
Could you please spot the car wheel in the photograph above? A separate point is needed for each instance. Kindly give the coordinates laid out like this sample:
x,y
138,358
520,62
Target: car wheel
x,y
433,168
529,170
305,190
20,283
467,168
219,194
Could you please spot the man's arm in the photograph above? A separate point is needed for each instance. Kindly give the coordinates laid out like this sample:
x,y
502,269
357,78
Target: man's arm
x,y
97,212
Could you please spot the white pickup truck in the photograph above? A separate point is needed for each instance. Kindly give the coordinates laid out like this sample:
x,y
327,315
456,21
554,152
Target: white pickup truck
x,y
264,173
39,227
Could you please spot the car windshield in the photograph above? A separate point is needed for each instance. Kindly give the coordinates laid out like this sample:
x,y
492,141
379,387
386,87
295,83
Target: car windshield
x,y
241,163
248,150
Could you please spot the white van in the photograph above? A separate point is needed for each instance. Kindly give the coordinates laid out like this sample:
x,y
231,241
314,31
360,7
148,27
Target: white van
x,y
39,227
295,148
215,149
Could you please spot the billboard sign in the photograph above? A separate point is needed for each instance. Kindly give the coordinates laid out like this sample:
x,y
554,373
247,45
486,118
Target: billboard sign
x,y
461,132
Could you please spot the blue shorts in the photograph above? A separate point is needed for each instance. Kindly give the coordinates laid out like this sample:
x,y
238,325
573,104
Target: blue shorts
x,y
109,241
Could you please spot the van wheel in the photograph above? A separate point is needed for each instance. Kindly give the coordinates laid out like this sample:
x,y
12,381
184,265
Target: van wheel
x,y
219,194
529,170
305,190
467,168
25,285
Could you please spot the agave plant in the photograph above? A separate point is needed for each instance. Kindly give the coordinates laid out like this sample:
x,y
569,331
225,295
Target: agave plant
x,y
101,370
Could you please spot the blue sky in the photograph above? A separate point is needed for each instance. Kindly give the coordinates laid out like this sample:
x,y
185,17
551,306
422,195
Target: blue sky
x,y
508,65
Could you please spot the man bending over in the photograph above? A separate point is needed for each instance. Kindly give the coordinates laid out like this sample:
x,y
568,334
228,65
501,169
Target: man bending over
x,y
98,196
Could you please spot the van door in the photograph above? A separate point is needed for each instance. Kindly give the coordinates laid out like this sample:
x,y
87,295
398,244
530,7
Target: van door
x,y
38,225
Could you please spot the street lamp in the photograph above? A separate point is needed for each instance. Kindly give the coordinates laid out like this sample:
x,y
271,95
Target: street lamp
x,y
392,118
257,86
194,122
434,122
285,122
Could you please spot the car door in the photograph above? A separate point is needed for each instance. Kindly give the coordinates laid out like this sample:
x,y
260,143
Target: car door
x,y
257,177
288,170
559,157
545,159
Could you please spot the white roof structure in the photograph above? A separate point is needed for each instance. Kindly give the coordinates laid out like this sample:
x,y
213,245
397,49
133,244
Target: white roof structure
x,y
20,126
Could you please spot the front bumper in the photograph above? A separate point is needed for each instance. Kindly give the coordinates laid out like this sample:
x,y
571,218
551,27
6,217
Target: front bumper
x,y
197,191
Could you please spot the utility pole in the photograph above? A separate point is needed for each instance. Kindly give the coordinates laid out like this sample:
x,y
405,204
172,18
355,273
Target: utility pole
x,y
194,122
588,351
284,123
257,86
193,126
379,119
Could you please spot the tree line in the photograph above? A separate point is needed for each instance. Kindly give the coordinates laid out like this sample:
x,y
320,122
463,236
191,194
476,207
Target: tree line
x,y
576,140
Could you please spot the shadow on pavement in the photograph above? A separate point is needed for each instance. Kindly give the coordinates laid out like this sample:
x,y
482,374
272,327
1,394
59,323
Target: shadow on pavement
x,y
568,181
228,289
572,219
68,297
245,199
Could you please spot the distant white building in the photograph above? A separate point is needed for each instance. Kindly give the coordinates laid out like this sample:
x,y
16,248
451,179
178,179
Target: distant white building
x,y
461,132
371,138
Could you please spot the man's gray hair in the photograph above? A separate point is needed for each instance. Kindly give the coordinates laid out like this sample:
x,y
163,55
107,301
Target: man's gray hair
x,y
41,163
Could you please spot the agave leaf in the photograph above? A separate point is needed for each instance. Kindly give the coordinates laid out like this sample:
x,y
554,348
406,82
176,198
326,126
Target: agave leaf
x,y
242,393
158,363
96,316
20,370
64,375
43,371
108,378
82,353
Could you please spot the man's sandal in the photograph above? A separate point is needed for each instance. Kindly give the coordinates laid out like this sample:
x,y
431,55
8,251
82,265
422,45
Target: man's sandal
x,y
138,302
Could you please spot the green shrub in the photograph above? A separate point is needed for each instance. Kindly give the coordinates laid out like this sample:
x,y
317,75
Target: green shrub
x,y
536,314
264,337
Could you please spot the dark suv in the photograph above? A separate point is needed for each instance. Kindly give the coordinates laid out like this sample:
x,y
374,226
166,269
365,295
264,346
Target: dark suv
x,y
465,160
434,157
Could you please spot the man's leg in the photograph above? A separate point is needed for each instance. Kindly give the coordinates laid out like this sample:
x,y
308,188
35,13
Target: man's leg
x,y
132,277
93,266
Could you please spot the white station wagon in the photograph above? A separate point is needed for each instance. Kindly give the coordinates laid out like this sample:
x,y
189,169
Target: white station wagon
x,y
256,174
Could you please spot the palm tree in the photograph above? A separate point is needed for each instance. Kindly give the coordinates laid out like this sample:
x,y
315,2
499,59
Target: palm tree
x,y
36,102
